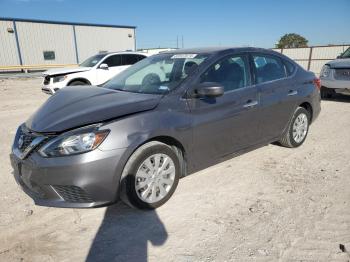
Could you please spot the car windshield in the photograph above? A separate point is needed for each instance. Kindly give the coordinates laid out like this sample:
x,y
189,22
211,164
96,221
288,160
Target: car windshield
x,y
92,61
157,74
346,54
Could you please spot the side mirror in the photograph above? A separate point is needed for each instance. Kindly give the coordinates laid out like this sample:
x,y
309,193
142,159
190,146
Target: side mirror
x,y
209,89
103,66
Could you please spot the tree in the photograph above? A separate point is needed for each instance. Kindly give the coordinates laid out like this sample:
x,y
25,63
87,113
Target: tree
x,y
291,41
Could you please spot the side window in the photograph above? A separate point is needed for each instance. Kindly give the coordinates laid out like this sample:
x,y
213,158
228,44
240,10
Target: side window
x,y
268,68
114,60
232,72
140,57
130,59
290,68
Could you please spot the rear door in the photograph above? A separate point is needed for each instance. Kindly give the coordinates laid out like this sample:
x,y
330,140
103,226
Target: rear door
x,y
278,94
228,123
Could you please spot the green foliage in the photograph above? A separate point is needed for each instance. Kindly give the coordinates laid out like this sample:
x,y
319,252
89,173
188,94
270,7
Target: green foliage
x,y
291,41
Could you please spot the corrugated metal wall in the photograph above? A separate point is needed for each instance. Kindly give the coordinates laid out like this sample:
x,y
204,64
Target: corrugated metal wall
x,y
8,47
92,40
70,43
313,58
35,38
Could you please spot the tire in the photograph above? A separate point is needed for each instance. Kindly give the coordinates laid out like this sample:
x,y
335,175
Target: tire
x,y
326,92
133,187
77,83
290,140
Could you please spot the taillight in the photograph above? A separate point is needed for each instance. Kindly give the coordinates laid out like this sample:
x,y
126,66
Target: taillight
x,y
317,83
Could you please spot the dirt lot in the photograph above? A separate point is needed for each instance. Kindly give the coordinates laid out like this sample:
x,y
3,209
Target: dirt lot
x,y
270,204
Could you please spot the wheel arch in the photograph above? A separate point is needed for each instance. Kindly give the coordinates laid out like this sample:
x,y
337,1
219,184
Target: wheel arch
x,y
176,145
82,79
307,106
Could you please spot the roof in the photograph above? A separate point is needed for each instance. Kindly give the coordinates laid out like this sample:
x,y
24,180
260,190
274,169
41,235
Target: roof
x,y
124,52
204,50
62,23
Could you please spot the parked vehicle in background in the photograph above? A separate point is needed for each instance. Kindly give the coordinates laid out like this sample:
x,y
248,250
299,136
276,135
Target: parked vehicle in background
x,y
95,70
335,76
163,118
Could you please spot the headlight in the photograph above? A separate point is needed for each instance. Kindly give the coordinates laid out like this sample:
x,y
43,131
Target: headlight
x,y
325,71
59,78
74,143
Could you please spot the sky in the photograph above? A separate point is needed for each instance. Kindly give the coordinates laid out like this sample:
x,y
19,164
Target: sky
x,y
201,22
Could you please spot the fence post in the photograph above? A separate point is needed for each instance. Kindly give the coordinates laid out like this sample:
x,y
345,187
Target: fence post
x,y
310,57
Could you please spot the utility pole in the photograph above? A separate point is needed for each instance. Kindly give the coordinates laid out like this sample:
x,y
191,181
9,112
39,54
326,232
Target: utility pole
x,y
177,42
182,41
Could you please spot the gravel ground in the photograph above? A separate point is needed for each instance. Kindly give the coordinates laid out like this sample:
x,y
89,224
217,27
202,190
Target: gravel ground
x,y
271,204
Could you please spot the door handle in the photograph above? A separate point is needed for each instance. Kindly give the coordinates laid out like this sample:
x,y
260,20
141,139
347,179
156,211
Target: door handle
x,y
292,92
250,103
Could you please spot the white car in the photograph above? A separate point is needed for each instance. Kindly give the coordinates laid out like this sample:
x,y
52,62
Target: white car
x,y
95,70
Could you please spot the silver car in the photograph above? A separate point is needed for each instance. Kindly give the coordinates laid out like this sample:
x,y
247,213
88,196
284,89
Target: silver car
x,y
335,76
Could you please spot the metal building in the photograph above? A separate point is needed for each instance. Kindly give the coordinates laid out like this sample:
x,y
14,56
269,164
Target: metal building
x,y
25,42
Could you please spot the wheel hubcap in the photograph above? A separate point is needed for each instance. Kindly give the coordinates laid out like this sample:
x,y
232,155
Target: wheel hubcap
x,y
154,178
300,127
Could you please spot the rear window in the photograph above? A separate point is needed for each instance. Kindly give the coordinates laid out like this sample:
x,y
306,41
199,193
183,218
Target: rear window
x,y
290,67
268,68
131,59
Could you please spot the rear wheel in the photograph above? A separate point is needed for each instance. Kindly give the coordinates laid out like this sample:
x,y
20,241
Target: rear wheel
x,y
297,130
78,83
151,176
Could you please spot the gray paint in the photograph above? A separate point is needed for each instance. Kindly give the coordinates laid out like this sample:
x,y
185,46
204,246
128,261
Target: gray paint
x,y
208,129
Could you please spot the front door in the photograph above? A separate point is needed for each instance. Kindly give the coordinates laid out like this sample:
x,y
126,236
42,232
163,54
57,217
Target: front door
x,y
228,123
115,66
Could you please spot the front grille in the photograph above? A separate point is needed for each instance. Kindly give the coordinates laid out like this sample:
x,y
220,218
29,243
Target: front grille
x,y
73,194
27,137
46,80
342,74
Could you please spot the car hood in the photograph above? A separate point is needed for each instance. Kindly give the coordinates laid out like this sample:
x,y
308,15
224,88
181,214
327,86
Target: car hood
x,y
77,106
340,63
63,71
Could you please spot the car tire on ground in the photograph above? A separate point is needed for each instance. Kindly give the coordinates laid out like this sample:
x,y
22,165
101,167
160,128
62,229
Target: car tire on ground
x,y
297,129
77,83
327,92
150,176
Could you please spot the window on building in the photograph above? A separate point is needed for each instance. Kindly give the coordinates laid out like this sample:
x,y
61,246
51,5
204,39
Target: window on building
x,y
49,55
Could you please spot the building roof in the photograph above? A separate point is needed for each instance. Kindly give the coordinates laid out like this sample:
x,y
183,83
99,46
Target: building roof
x,y
62,23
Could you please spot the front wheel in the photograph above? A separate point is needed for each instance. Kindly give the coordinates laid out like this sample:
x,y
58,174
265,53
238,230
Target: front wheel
x,y
327,92
150,176
297,130
78,83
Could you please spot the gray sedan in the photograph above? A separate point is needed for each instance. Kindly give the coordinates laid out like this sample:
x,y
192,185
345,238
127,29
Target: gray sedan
x,y
164,118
